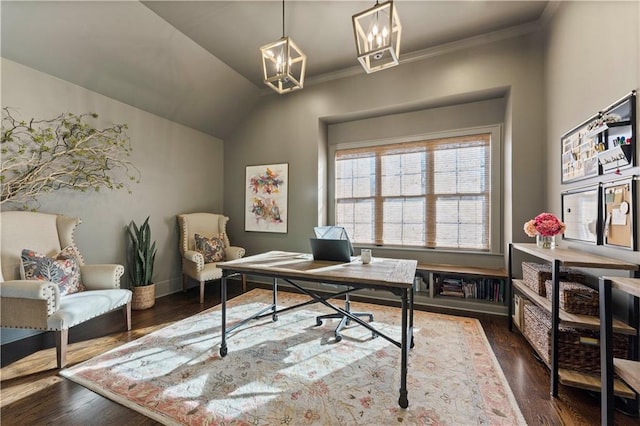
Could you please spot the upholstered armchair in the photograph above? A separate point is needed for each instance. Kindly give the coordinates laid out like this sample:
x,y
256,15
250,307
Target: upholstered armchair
x,y
44,304
194,262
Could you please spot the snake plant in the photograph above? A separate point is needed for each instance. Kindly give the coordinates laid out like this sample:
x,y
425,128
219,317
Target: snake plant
x,y
142,254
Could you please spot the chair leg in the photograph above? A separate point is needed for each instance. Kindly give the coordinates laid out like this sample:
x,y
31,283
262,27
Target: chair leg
x,y
184,283
201,292
244,283
127,315
62,338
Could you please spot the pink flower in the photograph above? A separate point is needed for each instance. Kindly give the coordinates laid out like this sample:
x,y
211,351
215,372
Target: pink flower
x,y
530,228
545,224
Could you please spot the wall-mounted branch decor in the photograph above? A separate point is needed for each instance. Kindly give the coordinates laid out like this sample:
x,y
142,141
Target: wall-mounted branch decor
x,y
41,156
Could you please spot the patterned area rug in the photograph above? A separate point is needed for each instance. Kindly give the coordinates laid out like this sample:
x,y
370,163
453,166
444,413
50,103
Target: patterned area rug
x,y
292,372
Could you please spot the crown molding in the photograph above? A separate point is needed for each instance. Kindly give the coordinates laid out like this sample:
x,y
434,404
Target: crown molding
x,y
471,42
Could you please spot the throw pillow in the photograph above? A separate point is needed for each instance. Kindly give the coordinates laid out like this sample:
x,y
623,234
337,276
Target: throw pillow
x,y
211,248
63,269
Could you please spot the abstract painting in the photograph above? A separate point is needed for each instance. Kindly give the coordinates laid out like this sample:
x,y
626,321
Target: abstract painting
x,y
266,190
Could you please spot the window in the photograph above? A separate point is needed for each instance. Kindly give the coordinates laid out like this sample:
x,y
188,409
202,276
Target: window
x,y
433,193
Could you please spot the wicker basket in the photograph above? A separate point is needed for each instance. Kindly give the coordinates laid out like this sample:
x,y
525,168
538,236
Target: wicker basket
x,y
579,350
534,276
576,298
143,297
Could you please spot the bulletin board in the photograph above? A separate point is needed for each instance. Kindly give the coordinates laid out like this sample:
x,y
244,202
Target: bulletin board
x,y
581,214
579,153
619,228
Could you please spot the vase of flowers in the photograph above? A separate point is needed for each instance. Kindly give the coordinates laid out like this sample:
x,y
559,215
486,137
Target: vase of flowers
x,y
545,227
546,241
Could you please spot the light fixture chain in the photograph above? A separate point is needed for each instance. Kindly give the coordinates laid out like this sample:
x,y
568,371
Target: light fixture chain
x,y
283,19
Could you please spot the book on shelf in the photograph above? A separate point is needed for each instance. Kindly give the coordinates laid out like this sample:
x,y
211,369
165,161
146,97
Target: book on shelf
x,y
479,288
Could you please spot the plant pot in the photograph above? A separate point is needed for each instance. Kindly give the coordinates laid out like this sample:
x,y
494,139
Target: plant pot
x,y
144,297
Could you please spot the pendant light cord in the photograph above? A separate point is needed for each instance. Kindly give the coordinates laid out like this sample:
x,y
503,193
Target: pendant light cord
x,y
282,18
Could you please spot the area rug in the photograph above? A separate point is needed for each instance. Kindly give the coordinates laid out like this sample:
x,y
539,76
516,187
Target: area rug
x,y
292,372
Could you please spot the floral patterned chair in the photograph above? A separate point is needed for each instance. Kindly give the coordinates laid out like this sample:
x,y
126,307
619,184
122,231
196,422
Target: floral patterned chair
x,y
203,243
44,282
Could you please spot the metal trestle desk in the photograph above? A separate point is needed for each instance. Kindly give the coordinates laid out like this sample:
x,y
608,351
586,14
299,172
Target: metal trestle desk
x,y
394,275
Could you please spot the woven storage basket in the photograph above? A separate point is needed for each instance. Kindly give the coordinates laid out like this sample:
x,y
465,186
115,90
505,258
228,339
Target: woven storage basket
x,y
534,276
576,298
143,297
579,350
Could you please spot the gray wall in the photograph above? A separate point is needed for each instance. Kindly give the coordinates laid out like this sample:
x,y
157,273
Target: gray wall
x,y
182,171
432,120
592,59
292,129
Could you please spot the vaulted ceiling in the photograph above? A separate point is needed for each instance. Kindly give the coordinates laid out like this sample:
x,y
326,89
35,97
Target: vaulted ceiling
x,y
197,62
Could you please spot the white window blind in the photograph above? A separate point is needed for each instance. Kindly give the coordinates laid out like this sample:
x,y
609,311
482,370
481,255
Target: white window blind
x,y
432,193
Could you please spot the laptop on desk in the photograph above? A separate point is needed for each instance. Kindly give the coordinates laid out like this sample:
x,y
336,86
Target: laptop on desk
x,y
329,249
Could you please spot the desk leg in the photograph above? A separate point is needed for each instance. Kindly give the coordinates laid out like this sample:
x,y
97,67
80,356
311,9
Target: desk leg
x,y
223,329
403,401
411,294
274,317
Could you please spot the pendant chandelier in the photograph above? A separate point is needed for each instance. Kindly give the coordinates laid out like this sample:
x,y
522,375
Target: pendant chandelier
x,y
283,63
377,32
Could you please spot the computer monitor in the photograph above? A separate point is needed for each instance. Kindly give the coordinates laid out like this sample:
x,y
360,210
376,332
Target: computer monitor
x,y
333,233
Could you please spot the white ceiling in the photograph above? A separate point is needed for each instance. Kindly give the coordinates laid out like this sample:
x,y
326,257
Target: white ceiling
x,y
198,63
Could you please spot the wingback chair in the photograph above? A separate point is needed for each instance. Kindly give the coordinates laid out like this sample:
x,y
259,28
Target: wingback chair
x,y
193,261
38,304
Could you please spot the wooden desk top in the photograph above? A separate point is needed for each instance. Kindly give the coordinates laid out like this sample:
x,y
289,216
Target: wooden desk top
x,y
398,273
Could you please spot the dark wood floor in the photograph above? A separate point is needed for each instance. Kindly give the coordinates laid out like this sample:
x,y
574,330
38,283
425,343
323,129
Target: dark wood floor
x,y
32,393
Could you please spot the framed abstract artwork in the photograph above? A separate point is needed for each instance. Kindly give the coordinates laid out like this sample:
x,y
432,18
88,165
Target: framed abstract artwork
x,y
266,202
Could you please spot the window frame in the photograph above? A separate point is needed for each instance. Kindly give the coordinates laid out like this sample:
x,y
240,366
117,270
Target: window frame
x,y
496,202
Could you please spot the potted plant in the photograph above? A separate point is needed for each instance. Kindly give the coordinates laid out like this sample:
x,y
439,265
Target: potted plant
x,y
142,254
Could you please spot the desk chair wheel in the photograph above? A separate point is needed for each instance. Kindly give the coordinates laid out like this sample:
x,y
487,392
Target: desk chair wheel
x,y
347,320
344,320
